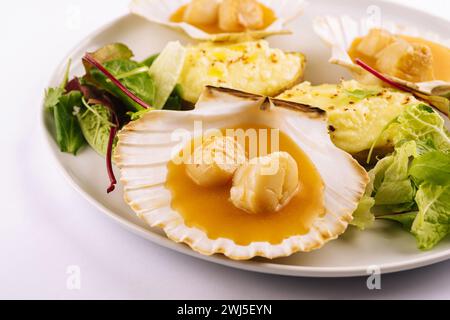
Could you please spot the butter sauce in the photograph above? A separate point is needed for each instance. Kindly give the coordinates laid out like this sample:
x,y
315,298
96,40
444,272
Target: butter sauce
x,y
210,209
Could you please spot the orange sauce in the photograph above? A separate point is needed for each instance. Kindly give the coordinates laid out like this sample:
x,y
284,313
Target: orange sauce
x,y
177,16
441,56
210,209
354,54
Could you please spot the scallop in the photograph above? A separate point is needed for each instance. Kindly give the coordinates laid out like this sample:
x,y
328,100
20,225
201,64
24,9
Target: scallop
x,y
202,12
341,31
147,146
161,12
237,14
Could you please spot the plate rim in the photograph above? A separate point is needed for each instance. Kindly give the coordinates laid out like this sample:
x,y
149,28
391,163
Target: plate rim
x,y
251,265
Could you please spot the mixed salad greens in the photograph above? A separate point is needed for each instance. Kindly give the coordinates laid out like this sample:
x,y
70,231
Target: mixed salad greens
x,y
412,185
114,90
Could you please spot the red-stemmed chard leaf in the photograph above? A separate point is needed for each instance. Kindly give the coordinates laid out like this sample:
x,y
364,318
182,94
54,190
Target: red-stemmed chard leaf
x,y
88,58
438,102
377,74
113,130
94,97
112,135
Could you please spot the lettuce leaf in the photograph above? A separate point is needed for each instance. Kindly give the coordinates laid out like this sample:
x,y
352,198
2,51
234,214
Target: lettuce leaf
x,y
432,223
432,167
68,132
363,217
95,125
422,124
396,188
390,188
405,219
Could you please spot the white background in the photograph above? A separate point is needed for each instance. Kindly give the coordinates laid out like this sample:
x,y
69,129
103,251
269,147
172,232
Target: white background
x,y
45,226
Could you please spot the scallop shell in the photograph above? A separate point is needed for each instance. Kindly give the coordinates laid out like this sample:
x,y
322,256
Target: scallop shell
x,y
339,33
145,147
160,11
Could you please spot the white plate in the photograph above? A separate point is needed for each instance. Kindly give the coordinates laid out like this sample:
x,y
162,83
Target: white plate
x,y
386,245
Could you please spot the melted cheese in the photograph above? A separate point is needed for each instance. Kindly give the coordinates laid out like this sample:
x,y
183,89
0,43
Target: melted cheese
x,y
249,66
357,113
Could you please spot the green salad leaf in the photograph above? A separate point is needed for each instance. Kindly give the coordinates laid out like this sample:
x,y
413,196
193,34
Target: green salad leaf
x,y
405,219
422,124
432,167
63,107
363,217
95,125
52,95
396,189
149,61
175,102
110,52
390,187
361,94
68,132
113,51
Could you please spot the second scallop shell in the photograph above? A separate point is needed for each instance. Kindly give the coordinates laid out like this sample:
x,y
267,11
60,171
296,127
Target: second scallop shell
x,y
340,32
161,11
